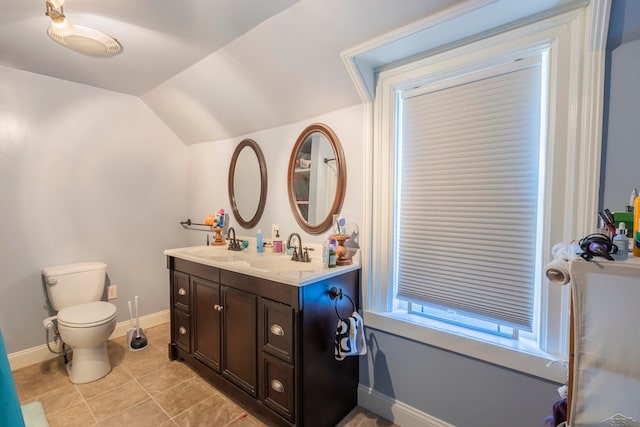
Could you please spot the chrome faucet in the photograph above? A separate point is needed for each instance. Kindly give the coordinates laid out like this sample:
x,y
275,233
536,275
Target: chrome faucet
x,y
234,245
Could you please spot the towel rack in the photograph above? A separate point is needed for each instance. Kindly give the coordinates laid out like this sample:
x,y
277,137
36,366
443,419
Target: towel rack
x,y
336,295
190,225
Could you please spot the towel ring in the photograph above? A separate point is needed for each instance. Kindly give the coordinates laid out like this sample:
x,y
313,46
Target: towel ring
x,y
336,294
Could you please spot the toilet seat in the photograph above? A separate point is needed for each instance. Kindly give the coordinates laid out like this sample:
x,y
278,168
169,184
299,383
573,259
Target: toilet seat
x,y
87,315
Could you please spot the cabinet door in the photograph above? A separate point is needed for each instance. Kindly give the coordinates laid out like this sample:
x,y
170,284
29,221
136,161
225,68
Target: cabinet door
x,y
239,338
207,315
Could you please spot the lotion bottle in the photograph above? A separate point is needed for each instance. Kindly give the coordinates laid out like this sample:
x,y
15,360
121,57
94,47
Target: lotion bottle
x,y
325,252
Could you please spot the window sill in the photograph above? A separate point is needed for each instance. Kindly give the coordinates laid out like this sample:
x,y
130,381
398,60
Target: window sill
x,y
519,355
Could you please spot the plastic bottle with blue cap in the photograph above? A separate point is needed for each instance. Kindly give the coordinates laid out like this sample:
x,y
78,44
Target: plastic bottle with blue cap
x,y
259,242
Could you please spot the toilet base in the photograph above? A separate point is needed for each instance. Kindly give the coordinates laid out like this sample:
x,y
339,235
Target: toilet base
x,y
89,364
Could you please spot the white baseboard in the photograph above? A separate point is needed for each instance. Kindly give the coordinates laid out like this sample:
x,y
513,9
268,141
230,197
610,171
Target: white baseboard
x,y
397,412
41,353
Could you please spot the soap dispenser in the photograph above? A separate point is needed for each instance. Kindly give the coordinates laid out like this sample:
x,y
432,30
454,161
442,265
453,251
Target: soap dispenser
x,y
277,243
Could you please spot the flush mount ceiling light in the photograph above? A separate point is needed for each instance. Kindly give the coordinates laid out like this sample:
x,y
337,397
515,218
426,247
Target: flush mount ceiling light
x,y
81,39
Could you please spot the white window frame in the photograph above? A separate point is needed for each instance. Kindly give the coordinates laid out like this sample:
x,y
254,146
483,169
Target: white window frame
x,y
576,43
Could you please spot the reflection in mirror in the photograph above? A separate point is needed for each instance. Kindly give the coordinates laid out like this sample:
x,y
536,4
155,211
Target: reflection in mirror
x,y
317,178
247,183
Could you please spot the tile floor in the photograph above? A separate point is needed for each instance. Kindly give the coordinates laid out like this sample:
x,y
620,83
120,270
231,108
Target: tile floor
x,y
144,388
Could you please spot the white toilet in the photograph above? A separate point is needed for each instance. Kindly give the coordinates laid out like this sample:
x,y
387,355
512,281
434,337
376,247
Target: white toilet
x,y
84,321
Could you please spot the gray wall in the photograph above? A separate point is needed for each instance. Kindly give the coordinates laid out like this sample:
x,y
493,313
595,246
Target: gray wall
x,y
85,175
621,135
469,393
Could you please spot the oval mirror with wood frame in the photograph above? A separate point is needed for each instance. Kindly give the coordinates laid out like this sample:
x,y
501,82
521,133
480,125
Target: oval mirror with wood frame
x,y
317,178
247,183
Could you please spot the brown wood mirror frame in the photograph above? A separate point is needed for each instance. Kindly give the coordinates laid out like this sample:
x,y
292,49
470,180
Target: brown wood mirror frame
x,y
317,165
243,160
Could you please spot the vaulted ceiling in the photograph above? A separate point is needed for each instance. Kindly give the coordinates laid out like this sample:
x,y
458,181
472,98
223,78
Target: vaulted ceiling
x,y
216,69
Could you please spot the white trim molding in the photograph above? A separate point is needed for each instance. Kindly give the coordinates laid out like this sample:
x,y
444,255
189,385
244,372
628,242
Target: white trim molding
x,y
41,353
398,412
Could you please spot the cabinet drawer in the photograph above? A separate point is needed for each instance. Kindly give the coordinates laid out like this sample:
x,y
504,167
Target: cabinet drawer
x,y
278,330
278,387
181,291
182,330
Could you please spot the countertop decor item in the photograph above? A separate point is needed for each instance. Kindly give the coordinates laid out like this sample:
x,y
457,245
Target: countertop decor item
x,y
343,256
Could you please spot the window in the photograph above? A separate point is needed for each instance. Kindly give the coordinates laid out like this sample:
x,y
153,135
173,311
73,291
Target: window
x,y
468,199
479,164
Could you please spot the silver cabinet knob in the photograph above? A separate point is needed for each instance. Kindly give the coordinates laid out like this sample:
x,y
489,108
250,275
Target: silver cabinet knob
x,y
182,291
277,330
217,307
277,386
182,330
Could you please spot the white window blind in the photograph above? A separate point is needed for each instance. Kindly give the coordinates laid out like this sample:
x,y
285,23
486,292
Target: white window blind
x,y
467,207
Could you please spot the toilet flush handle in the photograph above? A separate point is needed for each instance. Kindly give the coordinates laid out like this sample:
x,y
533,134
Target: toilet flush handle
x,y
52,281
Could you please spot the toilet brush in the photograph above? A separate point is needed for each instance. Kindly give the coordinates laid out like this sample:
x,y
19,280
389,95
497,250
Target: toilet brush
x,y
132,330
139,340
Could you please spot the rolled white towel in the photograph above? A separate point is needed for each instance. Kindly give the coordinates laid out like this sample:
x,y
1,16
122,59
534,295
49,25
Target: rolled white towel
x,y
557,271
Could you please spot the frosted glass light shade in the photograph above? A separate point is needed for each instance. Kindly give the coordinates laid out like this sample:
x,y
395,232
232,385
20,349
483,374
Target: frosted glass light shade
x,y
87,41
62,28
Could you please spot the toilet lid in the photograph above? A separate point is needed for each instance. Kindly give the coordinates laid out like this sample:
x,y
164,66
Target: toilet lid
x,y
87,315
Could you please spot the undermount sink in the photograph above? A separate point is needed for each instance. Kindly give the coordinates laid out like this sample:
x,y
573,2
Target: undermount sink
x,y
282,264
215,254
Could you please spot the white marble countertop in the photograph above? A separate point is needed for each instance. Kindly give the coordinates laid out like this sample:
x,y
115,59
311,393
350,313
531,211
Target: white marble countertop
x,y
267,265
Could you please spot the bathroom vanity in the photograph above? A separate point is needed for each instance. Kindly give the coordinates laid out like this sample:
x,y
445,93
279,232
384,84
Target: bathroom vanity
x,y
262,328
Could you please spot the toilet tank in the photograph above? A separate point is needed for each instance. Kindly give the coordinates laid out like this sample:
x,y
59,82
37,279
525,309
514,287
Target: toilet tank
x,y
74,284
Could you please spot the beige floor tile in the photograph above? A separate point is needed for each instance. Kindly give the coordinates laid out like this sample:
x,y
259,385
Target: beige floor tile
x,y
213,411
60,399
360,417
75,416
122,398
146,361
246,420
183,396
118,399
173,374
117,377
117,350
145,414
159,336
34,380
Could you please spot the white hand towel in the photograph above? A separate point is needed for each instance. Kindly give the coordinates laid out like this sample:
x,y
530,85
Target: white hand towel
x,y
359,338
557,271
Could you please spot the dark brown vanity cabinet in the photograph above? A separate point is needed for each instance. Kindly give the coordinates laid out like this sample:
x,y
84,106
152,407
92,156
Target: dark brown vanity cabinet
x,y
269,345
